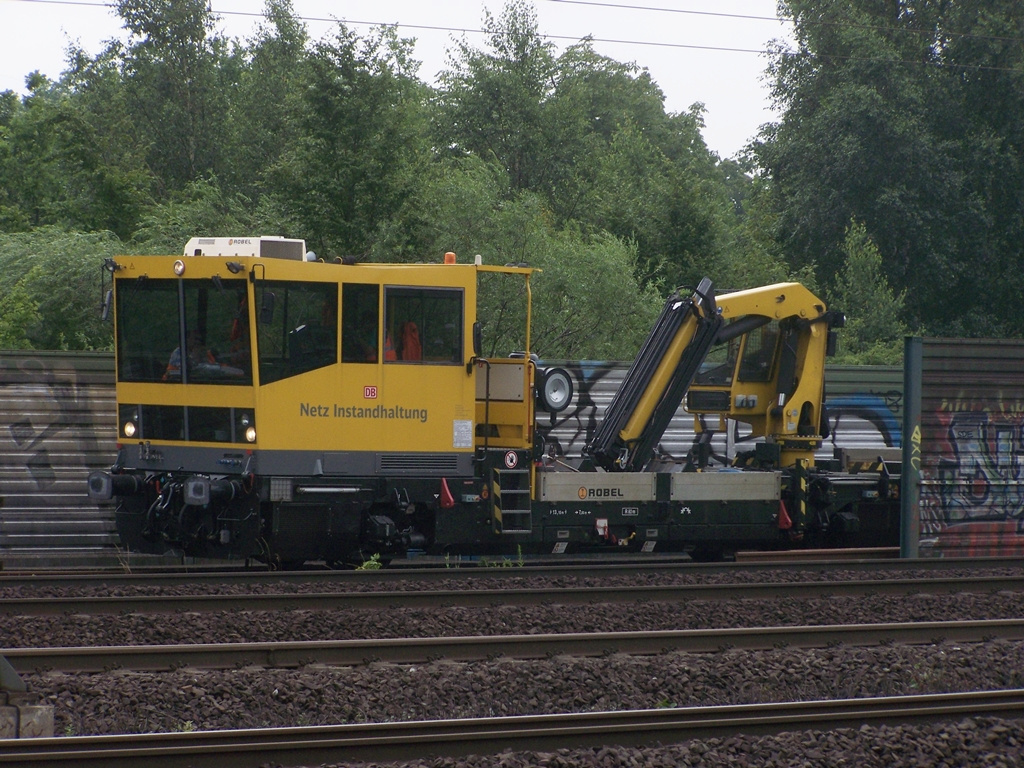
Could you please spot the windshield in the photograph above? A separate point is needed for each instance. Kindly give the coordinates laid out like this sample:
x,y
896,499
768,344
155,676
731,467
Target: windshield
x,y
183,331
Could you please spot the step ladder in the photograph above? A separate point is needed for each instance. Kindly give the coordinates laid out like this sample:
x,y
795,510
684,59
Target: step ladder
x,y
512,509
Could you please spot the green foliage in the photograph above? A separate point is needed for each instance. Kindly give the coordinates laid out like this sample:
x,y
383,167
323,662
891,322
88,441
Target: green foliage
x,y
588,303
266,103
673,210
50,284
59,167
568,162
452,209
591,137
175,84
906,117
372,564
103,158
360,145
505,562
19,314
200,209
874,331
587,300
492,102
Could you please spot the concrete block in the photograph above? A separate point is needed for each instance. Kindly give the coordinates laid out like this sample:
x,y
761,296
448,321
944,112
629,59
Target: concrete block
x,y
35,721
8,722
23,717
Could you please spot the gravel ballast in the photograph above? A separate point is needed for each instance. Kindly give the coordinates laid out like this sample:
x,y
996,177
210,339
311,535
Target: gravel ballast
x,y
283,626
133,702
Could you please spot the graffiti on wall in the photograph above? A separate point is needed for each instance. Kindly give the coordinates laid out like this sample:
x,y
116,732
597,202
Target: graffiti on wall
x,y
880,410
568,432
46,430
867,417
972,501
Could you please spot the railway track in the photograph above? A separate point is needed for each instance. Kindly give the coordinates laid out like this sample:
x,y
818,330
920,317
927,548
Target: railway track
x,y
430,562
473,572
156,658
385,742
469,598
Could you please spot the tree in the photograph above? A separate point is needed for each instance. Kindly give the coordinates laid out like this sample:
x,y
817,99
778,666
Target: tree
x,y
266,102
981,48
592,98
19,314
753,257
50,289
674,212
592,137
883,123
874,330
491,103
200,209
28,179
174,69
452,209
102,158
361,143
587,302
65,158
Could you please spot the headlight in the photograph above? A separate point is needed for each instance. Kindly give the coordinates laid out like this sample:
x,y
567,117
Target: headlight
x,y
179,267
129,429
250,434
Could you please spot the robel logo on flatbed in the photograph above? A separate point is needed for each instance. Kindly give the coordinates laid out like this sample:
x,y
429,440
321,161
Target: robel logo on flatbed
x,y
600,493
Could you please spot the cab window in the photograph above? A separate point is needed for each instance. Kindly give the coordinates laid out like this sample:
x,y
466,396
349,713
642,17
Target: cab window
x,y
717,368
423,325
759,353
360,332
297,327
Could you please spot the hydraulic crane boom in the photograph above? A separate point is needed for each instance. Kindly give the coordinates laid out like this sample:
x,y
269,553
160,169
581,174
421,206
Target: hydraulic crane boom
x,y
655,384
770,374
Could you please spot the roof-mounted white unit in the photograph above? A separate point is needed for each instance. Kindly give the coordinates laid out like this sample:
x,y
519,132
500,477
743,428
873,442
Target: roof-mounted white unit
x,y
266,247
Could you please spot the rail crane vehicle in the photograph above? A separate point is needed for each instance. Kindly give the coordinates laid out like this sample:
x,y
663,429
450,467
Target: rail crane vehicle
x,y
277,407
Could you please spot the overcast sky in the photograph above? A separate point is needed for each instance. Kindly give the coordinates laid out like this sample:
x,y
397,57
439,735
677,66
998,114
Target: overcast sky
x,y
694,50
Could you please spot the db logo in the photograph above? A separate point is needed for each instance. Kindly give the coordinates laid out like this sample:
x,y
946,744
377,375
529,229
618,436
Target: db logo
x,y
369,393
511,459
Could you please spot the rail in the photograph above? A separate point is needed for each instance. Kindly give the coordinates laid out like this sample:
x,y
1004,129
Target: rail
x,y
474,598
384,742
475,571
484,647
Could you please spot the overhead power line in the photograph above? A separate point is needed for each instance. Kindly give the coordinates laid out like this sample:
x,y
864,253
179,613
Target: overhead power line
x,y
614,41
595,4
427,27
658,9
780,20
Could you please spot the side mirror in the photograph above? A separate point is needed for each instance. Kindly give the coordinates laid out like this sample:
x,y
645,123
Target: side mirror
x,y
831,344
267,308
478,339
108,299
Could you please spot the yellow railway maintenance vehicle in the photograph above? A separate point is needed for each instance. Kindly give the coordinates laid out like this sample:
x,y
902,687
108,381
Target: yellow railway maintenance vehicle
x,y
276,407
